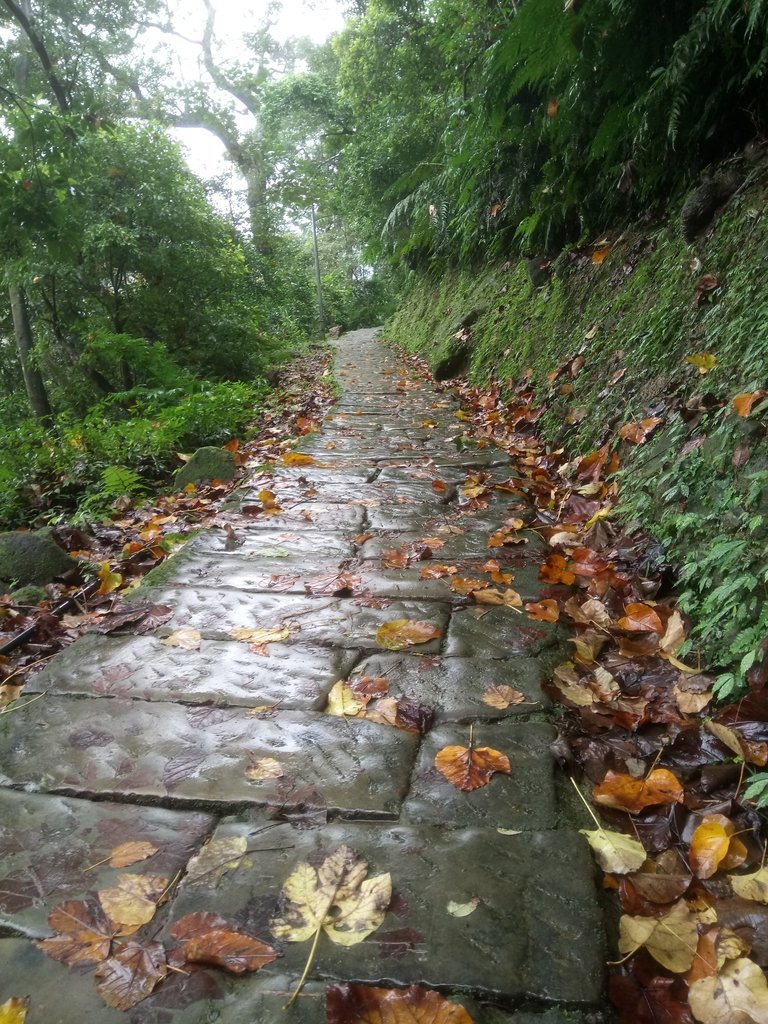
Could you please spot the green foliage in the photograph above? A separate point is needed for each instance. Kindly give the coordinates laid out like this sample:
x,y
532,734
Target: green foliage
x,y
756,789
124,445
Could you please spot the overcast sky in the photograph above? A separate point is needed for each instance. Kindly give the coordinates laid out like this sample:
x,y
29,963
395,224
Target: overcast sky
x,y
317,19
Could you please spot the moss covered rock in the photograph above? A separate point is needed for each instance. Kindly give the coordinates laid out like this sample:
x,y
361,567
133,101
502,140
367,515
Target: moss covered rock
x,y
207,464
29,595
32,558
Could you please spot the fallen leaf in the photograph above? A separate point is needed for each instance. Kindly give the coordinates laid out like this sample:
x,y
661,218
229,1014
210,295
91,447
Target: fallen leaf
x,y
709,845
133,901
544,611
333,895
264,768
751,887
216,857
437,571
343,701
261,636
508,598
502,696
628,794
131,974
186,639
614,851
131,853
640,618
399,634
84,935
703,361
208,939
108,581
671,940
395,559
753,752
463,909
464,585
14,1010
737,995
638,433
297,459
368,1004
470,768
744,402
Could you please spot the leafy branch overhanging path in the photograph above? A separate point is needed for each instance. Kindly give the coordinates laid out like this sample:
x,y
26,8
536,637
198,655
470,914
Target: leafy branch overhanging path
x,y
337,740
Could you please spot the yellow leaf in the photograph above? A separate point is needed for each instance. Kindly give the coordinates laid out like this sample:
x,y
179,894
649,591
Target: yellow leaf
x,y
463,909
108,580
186,639
615,852
751,887
703,361
671,940
14,1010
398,634
264,768
737,995
131,853
502,696
343,701
261,636
216,857
297,459
334,896
133,901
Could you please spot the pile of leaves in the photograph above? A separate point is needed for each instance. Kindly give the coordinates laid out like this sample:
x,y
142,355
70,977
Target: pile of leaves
x,y
113,556
682,838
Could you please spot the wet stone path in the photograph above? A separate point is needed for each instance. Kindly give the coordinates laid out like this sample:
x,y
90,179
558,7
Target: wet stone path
x,y
137,740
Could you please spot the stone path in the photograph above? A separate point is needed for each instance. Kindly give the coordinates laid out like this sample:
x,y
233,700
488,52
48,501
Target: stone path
x,y
136,740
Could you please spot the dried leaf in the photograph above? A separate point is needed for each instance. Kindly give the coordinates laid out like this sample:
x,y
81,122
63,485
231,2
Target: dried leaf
x,y
399,634
507,598
627,794
261,636
131,853
216,857
502,696
297,459
703,361
463,909
108,581
436,572
752,752
737,995
226,948
751,887
744,402
264,768
368,1004
186,639
470,768
335,896
671,940
133,901
544,611
641,618
14,1010
84,934
709,845
637,433
614,851
464,585
131,974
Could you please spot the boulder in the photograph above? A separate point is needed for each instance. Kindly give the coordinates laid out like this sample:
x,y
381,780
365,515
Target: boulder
x,y
32,558
29,595
206,464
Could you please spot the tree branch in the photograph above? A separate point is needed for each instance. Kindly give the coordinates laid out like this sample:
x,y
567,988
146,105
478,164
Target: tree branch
x,y
39,47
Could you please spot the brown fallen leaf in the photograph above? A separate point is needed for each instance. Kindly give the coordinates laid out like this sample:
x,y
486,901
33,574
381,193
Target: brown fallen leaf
x,y
628,794
502,696
84,934
544,611
751,751
208,939
264,768
186,639
464,585
507,598
133,901
131,974
641,618
437,571
399,634
131,853
470,768
368,1004
395,559
744,402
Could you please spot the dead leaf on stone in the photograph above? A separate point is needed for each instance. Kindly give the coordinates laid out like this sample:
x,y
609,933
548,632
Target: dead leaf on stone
x,y
463,909
208,939
83,933
131,974
133,901
399,634
464,585
186,639
264,768
470,768
436,572
14,1010
544,611
368,1004
297,459
502,696
131,853
261,636
671,940
737,995
219,855
508,598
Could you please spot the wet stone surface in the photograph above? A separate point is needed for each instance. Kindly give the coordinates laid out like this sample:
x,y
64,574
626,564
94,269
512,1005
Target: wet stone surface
x,y
135,738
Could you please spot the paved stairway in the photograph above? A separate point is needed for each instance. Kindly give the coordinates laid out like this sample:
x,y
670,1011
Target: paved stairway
x,y
137,740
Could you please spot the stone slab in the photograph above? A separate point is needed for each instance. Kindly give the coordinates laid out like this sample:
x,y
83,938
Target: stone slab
x,y
326,621
472,543
536,930
48,845
498,633
198,756
303,513
286,543
526,799
219,673
454,687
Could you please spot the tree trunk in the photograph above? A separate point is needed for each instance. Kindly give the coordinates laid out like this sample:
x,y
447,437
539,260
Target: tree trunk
x,y
33,381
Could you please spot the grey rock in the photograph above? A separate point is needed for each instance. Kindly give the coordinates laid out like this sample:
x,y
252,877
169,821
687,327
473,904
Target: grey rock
x,y
32,558
207,464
